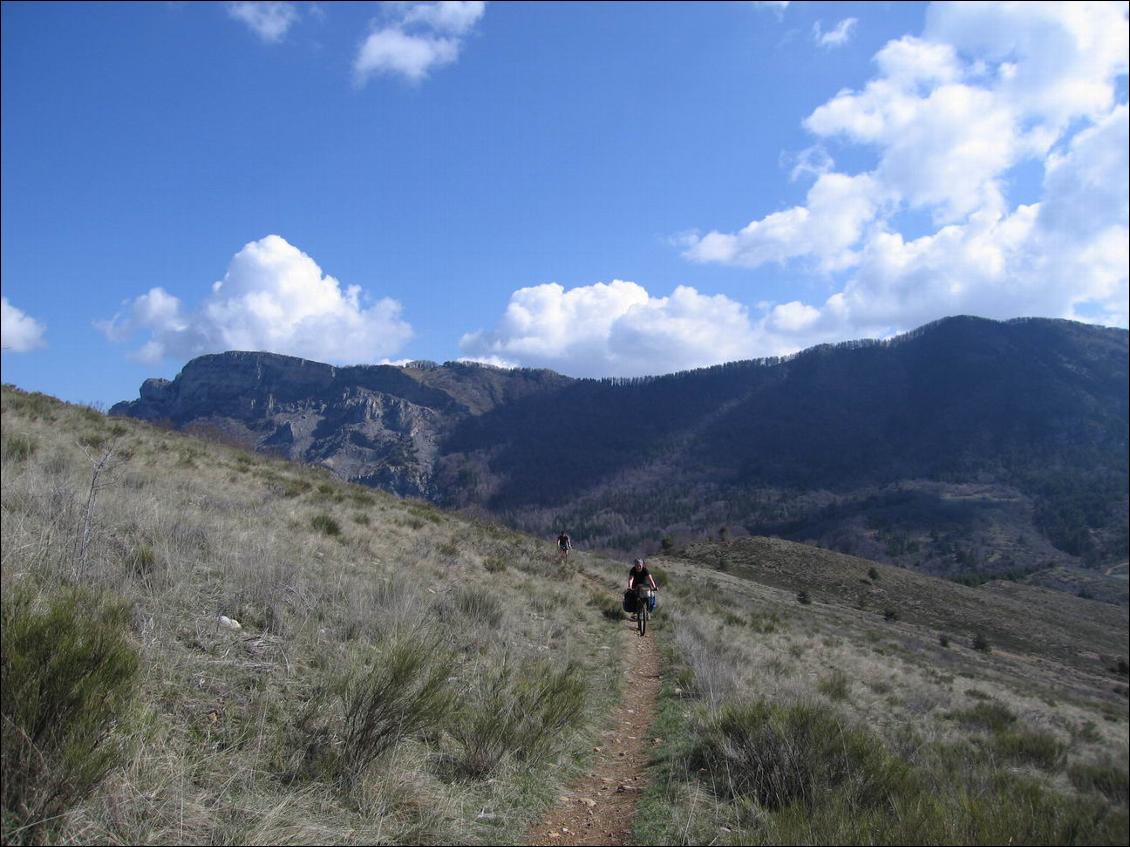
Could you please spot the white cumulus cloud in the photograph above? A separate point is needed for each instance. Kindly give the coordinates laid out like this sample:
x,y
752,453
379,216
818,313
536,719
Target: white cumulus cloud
x,y
19,332
419,38
949,115
275,298
615,328
270,21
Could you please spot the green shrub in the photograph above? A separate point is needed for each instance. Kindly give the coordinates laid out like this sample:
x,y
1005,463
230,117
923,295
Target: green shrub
x,y
479,605
141,561
608,606
836,686
398,690
890,615
1105,778
18,448
494,564
296,488
944,640
1029,747
764,624
989,715
448,548
326,525
517,711
981,643
804,598
659,575
68,674
873,573
778,756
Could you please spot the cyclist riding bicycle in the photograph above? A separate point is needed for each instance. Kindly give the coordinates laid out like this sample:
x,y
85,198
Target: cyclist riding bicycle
x,y
564,544
640,575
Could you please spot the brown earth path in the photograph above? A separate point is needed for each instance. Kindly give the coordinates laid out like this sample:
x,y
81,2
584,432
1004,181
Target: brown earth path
x,y
599,809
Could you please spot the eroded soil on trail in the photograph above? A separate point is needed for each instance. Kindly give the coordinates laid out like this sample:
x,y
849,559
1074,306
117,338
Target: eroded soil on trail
x,y
599,809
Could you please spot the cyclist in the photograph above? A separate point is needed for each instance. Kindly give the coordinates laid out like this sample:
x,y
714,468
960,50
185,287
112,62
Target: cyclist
x,y
640,575
564,544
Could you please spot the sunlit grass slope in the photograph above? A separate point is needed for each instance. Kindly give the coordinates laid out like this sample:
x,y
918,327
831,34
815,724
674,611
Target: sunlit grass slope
x,y
816,698
399,674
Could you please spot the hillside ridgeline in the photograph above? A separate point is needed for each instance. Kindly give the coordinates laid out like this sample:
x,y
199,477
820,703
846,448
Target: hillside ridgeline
x,y
968,448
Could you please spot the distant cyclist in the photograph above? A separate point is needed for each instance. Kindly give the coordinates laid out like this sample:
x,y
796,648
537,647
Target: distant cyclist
x,y
564,545
640,575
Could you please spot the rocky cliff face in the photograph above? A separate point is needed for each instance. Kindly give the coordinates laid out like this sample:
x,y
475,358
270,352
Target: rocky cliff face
x,y
378,425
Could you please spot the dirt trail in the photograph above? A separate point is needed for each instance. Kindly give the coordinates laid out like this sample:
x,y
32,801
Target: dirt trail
x,y
599,809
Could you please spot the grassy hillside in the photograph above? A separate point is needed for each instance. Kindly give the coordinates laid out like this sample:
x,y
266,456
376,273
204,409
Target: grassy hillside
x,y
816,698
400,675
404,675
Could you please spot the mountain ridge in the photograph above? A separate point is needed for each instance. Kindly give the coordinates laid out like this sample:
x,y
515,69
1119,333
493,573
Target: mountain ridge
x,y
872,447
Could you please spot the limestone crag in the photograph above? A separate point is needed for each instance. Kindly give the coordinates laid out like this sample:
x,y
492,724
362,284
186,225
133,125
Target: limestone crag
x,y
379,425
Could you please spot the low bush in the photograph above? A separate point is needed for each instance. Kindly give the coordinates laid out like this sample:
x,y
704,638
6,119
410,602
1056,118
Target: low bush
x,y
804,598
141,561
325,525
1030,747
764,624
519,711
836,686
17,448
398,689
1105,778
987,714
795,774
981,644
480,605
779,756
68,676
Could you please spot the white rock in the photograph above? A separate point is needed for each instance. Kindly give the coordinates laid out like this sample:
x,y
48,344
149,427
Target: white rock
x,y
230,623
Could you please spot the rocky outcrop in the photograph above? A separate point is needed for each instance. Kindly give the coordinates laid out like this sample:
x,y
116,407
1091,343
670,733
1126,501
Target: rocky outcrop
x,y
379,425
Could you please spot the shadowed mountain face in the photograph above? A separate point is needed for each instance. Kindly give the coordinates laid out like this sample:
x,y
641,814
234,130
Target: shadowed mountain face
x,y
966,447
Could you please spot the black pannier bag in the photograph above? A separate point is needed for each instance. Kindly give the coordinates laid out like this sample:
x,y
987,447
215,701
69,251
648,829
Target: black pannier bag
x,y
630,601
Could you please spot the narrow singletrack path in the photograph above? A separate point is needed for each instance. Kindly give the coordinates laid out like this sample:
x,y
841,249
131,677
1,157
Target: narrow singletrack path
x,y
600,808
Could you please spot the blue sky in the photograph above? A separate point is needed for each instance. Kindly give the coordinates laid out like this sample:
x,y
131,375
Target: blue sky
x,y
596,188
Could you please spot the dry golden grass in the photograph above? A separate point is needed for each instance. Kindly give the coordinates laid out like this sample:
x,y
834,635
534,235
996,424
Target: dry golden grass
x,y
743,641
237,736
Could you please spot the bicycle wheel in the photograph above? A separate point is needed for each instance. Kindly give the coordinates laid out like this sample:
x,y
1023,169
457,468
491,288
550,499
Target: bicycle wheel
x,y
642,618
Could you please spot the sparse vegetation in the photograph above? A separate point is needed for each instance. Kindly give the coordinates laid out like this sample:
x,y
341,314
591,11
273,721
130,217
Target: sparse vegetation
x,y
333,708
517,712
859,735
399,690
325,525
68,678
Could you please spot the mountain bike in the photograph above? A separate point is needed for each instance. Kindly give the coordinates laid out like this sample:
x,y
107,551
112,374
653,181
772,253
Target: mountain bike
x,y
643,607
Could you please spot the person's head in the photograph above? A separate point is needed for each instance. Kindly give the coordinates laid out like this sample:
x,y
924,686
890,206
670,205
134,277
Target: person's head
x,y
638,564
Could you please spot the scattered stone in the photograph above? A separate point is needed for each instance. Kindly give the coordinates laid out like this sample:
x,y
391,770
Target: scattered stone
x,y
230,623
588,802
